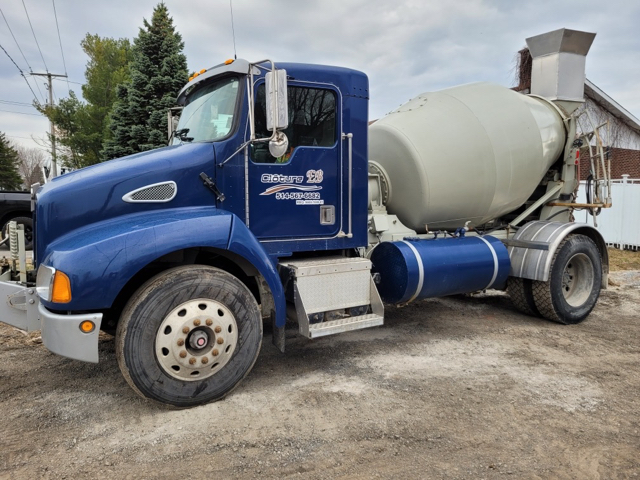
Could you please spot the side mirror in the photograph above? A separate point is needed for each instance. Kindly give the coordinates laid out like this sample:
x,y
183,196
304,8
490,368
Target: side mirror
x,y
276,96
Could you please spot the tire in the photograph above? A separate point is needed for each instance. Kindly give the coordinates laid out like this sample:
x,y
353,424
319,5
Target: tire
x,y
521,294
28,231
188,336
575,278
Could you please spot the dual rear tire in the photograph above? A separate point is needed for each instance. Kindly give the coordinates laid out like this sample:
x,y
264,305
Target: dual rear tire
x,y
573,287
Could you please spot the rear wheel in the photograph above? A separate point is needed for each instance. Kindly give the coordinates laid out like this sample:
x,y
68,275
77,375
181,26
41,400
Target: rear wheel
x,y
521,294
575,278
189,336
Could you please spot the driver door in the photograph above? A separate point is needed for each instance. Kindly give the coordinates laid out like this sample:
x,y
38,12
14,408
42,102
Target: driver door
x,y
297,196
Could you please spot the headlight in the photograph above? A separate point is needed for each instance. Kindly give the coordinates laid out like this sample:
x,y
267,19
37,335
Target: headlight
x,y
53,285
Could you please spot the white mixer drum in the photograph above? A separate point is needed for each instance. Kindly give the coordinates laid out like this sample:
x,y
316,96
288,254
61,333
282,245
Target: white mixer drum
x,y
473,152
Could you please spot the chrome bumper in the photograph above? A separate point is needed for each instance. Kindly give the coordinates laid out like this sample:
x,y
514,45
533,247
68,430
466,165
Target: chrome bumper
x,y
60,333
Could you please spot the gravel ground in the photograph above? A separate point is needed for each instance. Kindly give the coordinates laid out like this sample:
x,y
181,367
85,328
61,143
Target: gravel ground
x,y
456,387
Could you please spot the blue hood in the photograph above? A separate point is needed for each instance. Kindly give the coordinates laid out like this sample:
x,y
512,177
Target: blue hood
x,y
94,194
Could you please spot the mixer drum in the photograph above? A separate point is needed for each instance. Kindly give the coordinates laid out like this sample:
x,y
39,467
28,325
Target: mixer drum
x,y
473,152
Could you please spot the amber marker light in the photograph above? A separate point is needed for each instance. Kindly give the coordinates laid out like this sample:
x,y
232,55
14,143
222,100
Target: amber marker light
x,y
229,62
61,288
203,70
87,326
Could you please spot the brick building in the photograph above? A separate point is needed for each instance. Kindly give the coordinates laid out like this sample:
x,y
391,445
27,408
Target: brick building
x,y
623,137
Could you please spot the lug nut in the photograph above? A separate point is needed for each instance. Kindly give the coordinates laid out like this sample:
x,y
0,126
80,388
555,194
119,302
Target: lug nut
x,y
185,330
209,322
215,352
180,342
204,360
218,329
192,361
196,322
183,354
220,340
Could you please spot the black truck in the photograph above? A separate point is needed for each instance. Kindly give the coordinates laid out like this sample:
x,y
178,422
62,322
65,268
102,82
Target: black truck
x,y
16,206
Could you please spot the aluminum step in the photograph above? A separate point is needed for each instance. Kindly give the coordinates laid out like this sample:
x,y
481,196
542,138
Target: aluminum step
x,y
333,286
344,325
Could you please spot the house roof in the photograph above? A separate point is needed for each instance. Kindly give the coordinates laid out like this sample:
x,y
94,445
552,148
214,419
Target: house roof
x,y
591,90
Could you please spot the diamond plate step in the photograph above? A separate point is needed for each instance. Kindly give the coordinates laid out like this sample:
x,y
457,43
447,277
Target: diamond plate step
x,y
344,325
333,284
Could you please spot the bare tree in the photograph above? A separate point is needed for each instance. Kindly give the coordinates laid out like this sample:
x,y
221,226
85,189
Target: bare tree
x,y
31,161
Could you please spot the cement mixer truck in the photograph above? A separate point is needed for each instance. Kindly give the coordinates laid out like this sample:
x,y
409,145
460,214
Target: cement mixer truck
x,y
277,201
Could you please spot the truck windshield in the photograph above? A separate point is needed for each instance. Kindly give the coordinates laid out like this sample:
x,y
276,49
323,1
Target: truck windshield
x,y
208,112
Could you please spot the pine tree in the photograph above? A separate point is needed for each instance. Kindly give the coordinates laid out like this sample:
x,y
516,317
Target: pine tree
x,y
81,128
9,176
158,72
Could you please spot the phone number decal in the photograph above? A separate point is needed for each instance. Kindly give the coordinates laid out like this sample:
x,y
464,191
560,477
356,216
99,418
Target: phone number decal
x,y
297,196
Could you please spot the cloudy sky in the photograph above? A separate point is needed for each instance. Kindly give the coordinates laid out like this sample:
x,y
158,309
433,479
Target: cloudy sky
x,y
405,46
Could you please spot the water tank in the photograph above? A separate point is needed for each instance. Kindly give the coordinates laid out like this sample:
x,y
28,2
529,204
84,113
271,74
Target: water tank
x,y
472,152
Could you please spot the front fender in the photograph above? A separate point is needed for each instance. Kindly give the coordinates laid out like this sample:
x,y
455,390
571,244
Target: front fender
x,y
100,259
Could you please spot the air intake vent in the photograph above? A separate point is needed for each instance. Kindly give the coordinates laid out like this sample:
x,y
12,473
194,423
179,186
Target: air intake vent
x,y
158,192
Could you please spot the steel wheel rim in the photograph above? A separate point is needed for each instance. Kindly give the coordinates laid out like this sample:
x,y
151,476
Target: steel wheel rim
x,y
577,279
179,347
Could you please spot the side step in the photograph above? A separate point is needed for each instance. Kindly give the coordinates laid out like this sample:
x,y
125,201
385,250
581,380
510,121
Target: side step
x,y
334,295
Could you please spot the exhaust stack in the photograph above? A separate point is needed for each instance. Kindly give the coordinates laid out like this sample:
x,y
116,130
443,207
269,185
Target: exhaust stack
x,y
558,71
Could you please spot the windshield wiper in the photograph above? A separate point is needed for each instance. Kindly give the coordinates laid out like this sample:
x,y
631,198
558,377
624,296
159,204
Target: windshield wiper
x,y
182,135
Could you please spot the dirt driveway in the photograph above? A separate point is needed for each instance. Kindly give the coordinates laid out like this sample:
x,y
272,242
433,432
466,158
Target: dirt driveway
x,y
448,388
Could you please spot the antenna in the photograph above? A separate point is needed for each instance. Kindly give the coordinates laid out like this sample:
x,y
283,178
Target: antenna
x,y
233,31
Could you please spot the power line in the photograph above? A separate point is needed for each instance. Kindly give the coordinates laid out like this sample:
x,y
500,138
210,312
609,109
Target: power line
x,y
23,113
20,49
21,73
75,83
34,36
17,104
64,64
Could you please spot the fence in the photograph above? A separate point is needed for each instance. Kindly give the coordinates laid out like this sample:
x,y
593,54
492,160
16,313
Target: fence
x,y
620,224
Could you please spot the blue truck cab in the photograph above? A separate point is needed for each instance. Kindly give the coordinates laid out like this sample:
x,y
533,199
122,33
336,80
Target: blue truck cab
x,y
213,199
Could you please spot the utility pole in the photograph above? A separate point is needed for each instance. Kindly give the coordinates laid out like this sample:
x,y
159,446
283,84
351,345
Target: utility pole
x,y
54,165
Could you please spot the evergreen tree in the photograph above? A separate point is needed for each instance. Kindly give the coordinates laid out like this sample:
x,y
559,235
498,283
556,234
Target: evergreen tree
x,y
158,72
9,176
82,128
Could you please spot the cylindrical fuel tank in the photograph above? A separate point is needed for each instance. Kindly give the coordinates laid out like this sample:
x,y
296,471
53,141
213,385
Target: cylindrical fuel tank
x,y
473,152
415,268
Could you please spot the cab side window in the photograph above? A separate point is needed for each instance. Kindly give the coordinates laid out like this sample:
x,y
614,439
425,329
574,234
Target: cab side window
x,y
312,122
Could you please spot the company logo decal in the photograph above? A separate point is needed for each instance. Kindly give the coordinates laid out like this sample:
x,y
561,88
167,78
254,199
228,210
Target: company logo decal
x,y
302,194
289,186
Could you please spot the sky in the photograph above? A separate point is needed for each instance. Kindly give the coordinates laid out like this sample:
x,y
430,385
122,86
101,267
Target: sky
x,y
406,47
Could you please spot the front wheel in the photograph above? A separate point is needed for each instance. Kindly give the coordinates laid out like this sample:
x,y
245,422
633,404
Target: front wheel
x,y
575,278
188,336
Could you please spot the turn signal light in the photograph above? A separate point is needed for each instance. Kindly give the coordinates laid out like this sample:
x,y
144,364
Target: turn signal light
x,y
87,326
61,288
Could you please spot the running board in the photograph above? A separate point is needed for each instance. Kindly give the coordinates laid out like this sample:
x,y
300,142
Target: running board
x,y
334,295
332,327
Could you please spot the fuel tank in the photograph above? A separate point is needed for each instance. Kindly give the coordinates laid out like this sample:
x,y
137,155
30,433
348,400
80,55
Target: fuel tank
x,y
416,268
472,152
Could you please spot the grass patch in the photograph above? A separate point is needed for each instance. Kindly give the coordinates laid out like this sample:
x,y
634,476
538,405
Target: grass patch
x,y
623,260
